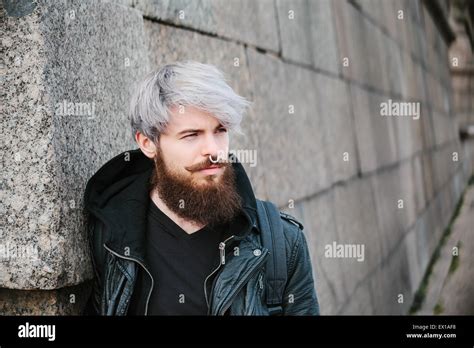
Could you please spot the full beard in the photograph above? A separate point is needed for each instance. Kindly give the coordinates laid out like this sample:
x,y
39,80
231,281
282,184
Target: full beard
x,y
213,202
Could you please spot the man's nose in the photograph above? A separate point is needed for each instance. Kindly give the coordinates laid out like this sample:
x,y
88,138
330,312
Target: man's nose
x,y
210,147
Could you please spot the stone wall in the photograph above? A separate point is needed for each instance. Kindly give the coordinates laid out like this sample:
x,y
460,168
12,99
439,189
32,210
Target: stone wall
x,y
316,72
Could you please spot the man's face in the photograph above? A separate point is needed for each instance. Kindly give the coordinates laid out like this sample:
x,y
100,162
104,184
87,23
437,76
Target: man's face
x,y
192,142
193,139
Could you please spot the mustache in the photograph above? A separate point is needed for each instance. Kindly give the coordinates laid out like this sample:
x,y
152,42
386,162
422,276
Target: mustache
x,y
207,163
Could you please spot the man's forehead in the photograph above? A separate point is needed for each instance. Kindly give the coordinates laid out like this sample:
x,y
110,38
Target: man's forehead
x,y
189,117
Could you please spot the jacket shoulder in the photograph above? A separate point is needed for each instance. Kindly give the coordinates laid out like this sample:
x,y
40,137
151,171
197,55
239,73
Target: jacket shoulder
x,y
291,219
293,232
295,241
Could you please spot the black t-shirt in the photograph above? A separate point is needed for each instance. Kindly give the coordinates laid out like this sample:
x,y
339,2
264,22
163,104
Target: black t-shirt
x,y
179,263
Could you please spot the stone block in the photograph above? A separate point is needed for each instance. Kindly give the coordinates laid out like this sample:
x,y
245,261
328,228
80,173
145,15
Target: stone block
x,y
323,36
362,42
395,206
294,20
307,33
338,126
360,302
247,21
63,54
375,134
356,213
391,285
286,109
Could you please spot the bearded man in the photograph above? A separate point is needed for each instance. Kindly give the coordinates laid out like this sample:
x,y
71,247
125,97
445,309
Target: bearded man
x,y
174,226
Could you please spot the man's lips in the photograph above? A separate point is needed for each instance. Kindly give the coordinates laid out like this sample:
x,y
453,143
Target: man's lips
x,y
211,169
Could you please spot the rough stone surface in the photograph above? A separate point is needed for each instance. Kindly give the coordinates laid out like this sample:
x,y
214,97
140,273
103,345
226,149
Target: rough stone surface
x,y
395,206
64,301
307,33
333,104
287,113
63,52
356,223
375,134
294,20
357,38
391,280
252,22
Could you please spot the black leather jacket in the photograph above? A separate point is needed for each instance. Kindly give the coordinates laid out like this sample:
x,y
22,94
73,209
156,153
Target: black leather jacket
x,y
117,199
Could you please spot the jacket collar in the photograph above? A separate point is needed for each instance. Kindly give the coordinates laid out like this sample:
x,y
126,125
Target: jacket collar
x,y
118,195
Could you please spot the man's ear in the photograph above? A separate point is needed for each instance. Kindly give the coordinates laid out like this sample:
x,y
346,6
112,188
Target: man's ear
x,y
147,145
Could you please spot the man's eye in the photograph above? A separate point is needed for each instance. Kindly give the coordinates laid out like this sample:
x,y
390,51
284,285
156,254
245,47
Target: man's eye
x,y
222,130
189,135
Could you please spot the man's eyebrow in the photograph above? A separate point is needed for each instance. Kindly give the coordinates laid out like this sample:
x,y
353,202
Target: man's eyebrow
x,y
192,130
189,131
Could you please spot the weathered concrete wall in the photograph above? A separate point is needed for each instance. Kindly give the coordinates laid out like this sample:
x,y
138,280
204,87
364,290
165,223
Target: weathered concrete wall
x,y
325,153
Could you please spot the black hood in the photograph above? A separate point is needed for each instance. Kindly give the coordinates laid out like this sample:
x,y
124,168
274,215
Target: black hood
x,y
118,195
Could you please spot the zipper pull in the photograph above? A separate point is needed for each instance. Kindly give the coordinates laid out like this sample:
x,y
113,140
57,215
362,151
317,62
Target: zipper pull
x,y
222,252
260,281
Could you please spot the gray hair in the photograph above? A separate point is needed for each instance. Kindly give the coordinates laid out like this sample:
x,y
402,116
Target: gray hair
x,y
186,83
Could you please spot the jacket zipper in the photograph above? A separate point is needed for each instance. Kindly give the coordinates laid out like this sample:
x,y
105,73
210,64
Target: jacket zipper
x,y
221,262
141,264
243,282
